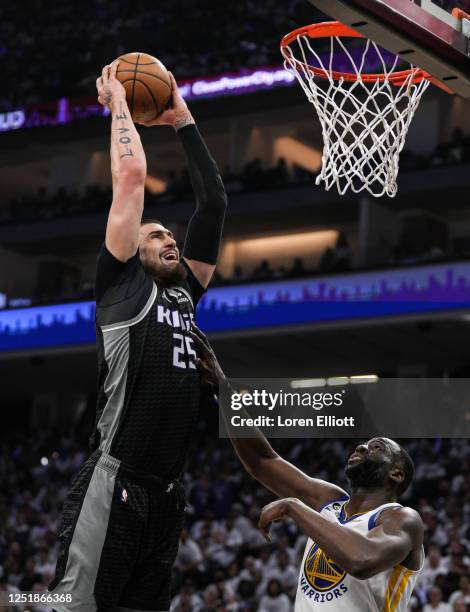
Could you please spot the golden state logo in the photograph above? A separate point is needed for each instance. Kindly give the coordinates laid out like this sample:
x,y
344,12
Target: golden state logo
x,y
322,577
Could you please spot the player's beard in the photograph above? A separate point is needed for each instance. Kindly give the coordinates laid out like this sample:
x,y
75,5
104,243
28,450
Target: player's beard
x,y
168,275
367,474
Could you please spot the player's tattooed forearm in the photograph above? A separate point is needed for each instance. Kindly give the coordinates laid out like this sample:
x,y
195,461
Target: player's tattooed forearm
x,y
125,141
127,150
122,114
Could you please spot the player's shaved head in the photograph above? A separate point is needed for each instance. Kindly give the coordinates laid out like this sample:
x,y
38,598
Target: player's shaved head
x,y
391,443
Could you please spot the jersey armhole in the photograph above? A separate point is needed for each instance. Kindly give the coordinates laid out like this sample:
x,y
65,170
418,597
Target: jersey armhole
x,y
344,498
194,286
373,519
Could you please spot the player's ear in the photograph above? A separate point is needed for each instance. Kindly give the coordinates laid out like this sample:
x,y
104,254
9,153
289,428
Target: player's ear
x,y
397,475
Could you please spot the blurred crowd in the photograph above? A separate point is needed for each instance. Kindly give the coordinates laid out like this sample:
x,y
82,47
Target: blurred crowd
x,y
254,177
95,199
57,50
449,153
48,53
422,239
223,563
58,280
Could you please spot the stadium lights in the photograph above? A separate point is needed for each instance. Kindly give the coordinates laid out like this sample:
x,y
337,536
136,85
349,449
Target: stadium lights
x,y
155,185
366,378
333,381
307,383
298,153
337,381
276,248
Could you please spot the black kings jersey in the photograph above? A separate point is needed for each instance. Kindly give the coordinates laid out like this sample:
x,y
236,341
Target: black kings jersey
x,y
149,387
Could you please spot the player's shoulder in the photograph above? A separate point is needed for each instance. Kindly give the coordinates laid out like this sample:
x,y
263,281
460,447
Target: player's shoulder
x,y
123,290
403,517
108,258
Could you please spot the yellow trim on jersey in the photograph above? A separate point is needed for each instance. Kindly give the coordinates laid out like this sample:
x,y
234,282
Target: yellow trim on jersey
x,y
400,570
348,518
390,587
399,592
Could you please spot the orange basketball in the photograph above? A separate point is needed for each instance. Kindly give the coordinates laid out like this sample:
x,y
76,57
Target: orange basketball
x,y
147,84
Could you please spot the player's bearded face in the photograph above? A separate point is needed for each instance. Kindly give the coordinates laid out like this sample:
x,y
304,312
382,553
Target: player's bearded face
x,y
368,473
160,255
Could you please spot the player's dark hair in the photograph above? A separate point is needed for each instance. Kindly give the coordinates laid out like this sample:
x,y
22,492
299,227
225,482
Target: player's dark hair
x,y
408,467
148,221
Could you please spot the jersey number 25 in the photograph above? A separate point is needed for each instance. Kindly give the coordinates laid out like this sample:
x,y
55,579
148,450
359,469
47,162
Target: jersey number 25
x,y
183,352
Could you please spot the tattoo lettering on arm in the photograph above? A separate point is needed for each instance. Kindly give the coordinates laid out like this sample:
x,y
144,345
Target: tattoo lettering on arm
x,y
108,97
125,141
122,115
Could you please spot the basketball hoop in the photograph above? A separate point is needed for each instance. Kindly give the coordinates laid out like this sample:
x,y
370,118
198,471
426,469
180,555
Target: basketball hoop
x,y
365,115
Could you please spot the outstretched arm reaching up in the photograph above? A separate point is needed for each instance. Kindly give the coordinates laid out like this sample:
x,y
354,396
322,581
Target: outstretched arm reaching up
x,y
204,232
128,169
257,455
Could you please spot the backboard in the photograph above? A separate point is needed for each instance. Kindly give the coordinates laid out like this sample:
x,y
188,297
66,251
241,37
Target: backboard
x,y
419,31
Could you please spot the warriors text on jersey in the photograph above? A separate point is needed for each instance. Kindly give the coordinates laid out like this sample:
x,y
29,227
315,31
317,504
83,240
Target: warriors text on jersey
x,y
323,585
149,387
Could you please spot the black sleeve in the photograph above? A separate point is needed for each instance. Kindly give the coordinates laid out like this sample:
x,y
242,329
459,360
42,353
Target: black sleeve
x,y
193,285
116,281
205,226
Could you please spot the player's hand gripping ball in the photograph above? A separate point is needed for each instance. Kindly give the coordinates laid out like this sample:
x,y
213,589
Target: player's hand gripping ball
x,y
177,114
147,83
110,90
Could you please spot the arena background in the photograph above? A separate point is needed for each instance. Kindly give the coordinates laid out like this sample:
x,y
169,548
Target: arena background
x,y
283,237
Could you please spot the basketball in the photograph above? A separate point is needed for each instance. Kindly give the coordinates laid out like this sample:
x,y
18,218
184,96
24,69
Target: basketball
x,y
147,84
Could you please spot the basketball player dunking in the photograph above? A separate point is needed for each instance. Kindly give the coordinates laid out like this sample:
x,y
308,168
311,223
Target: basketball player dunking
x,y
364,550
124,513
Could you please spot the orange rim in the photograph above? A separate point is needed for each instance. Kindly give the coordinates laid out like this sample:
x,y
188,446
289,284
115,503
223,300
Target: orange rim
x,y
460,14
329,29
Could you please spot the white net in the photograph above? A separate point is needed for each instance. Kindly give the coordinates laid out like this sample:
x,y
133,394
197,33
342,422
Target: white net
x,y
364,122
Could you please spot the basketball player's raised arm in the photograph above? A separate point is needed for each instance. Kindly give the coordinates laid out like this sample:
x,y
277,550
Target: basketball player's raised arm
x,y
396,534
205,227
201,247
257,455
128,169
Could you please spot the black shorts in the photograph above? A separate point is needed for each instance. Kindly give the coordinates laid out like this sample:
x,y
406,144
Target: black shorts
x,y
119,537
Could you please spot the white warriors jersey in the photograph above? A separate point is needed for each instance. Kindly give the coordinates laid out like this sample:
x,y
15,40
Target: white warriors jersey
x,y
324,585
